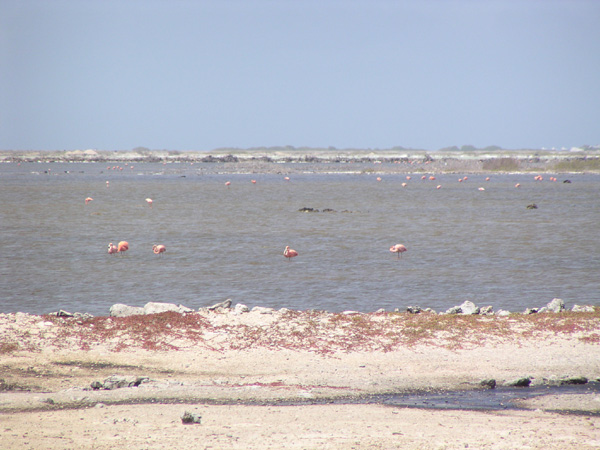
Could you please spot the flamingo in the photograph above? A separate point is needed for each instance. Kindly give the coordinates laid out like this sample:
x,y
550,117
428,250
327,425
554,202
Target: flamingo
x,y
289,253
149,201
123,246
87,200
112,249
227,183
399,249
253,181
157,249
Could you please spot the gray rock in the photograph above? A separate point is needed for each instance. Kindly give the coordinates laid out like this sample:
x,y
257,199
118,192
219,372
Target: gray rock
x,y
380,310
118,381
262,310
83,316
121,310
487,310
490,384
157,308
502,313
454,310
240,308
469,308
226,304
413,309
519,382
583,308
189,417
530,311
574,380
556,305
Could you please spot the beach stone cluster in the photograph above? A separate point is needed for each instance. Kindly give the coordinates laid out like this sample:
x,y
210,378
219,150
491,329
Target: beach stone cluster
x,y
557,305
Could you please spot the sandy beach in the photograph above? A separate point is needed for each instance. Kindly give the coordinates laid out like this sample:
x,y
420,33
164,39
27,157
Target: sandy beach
x,y
290,379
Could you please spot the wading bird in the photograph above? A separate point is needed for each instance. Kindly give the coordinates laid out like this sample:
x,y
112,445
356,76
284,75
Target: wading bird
x,y
159,249
123,246
289,253
399,249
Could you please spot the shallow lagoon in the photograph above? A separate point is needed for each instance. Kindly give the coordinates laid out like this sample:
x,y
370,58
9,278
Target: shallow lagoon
x,y
227,242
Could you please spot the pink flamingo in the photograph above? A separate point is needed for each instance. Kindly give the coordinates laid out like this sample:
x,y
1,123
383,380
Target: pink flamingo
x,y
123,246
157,249
289,253
399,249
87,200
112,249
149,201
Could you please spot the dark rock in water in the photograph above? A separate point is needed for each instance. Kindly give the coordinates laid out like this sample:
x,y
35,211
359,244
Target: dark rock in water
x,y
189,417
567,181
328,210
519,382
491,383
305,209
532,206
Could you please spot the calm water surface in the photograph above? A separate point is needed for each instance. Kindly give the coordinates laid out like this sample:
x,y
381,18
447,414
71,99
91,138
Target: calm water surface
x,y
227,242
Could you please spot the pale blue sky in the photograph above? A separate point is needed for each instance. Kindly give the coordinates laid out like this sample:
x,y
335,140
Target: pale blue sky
x,y
198,75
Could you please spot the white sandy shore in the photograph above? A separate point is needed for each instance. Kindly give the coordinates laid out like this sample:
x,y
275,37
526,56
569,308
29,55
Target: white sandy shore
x,y
211,372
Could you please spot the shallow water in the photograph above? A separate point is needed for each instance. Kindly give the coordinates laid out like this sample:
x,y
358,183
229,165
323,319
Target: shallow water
x,y
227,242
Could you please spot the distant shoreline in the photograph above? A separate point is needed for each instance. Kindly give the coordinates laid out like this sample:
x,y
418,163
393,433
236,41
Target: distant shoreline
x,y
320,160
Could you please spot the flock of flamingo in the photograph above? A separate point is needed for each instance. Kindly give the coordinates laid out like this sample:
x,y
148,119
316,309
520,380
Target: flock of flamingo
x,y
288,253
123,246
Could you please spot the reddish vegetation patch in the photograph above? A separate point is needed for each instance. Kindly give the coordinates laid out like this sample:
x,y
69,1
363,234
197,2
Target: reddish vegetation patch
x,y
316,331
